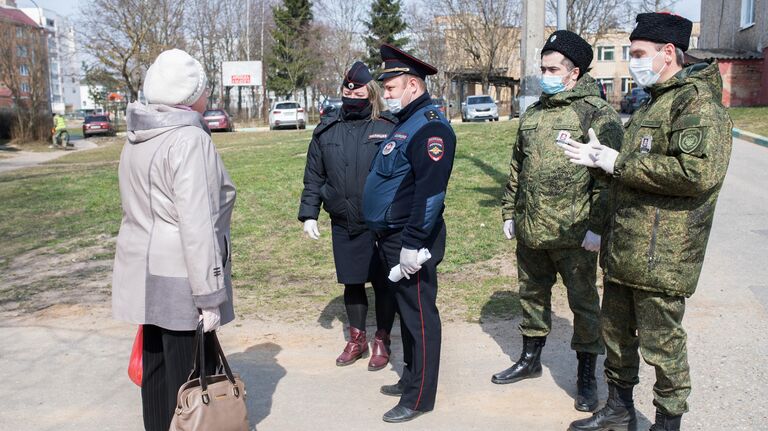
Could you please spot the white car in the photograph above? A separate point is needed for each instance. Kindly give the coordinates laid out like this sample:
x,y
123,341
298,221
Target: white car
x,y
288,114
479,108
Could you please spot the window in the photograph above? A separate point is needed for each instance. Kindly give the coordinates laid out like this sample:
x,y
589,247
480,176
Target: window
x,y
24,70
49,22
626,85
19,32
605,53
607,84
21,51
747,13
625,53
25,87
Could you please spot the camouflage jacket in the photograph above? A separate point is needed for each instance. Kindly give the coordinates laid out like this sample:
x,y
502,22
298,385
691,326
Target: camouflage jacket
x,y
553,201
667,177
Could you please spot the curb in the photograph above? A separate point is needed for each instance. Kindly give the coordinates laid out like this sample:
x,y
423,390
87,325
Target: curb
x,y
750,137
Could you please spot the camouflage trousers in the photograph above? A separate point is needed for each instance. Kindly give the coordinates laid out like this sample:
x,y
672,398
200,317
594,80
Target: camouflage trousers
x,y
652,322
537,272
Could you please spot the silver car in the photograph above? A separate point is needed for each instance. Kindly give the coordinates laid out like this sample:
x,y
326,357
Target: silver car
x,y
479,108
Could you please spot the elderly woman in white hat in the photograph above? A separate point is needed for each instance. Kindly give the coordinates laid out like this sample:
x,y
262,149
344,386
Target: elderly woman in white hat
x,y
173,259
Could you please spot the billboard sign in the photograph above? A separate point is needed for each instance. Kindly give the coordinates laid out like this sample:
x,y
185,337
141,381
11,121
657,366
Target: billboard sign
x,y
241,73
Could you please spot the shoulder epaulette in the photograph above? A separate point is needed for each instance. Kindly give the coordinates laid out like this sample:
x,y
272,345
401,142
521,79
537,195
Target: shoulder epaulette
x,y
431,115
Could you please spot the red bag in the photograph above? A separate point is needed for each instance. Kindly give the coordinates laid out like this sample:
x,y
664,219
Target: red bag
x,y
134,364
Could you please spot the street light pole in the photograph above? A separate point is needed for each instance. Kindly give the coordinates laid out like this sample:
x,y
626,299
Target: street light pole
x,y
562,23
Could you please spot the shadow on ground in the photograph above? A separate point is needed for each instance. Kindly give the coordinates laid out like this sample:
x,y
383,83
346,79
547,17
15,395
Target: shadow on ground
x,y
500,317
261,373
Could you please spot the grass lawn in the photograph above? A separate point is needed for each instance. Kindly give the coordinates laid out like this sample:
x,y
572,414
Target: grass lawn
x,y
277,271
754,119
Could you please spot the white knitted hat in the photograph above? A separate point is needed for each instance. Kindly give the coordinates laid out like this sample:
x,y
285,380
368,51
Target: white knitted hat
x,y
175,78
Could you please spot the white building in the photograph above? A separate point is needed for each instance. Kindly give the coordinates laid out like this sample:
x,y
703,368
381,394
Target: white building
x,y
65,67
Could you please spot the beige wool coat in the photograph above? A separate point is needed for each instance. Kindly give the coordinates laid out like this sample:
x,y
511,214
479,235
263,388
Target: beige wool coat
x,y
173,251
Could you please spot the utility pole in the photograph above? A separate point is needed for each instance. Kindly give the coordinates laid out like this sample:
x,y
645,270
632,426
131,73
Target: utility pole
x,y
264,99
532,41
562,23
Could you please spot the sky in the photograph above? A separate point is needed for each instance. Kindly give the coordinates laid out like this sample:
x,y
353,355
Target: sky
x,y
690,9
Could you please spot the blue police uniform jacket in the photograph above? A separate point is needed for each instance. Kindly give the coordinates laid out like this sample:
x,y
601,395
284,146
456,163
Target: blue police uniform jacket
x,y
406,186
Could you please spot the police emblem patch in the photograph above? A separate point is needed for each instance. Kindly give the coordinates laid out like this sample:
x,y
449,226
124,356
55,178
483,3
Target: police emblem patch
x,y
388,148
435,148
645,144
690,140
562,137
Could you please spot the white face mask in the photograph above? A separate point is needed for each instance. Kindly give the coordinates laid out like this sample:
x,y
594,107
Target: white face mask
x,y
642,72
396,105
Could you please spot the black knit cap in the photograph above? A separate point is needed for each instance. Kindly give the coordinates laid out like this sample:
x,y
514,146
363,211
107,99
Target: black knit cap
x,y
572,46
357,76
663,27
398,62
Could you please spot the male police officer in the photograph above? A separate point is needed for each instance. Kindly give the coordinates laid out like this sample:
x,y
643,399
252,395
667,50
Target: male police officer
x,y
664,186
558,211
403,203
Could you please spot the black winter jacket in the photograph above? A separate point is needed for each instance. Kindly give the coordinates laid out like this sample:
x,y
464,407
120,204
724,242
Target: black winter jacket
x,y
338,160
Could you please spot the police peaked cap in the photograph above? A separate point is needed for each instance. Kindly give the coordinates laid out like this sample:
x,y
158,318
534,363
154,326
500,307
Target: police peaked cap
x,y
572,46
357,76
663,27
398,62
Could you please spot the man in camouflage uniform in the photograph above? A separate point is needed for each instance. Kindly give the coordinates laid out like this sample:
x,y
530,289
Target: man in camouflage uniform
x,y
558,211
664,186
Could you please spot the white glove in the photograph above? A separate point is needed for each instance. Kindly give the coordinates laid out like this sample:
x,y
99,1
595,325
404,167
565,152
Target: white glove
x,y
591,241
310,228
509,228
396,275
211,318
409,262
593,154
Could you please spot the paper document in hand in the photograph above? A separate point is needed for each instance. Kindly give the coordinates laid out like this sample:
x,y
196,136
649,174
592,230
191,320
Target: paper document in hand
x,y
395,275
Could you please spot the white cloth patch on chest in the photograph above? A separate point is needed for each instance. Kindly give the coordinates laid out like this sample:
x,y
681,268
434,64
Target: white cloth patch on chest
x,y
645,144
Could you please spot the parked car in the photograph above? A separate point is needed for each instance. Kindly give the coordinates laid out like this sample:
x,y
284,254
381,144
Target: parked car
x,y
479,108
98,125
329,105
287,114
632,100
218,120
439,103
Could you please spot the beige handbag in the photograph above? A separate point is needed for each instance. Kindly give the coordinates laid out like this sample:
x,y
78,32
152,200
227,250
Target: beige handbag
x,y
210,403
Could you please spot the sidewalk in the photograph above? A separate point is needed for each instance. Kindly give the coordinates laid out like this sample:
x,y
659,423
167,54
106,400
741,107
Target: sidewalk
x,y
24,159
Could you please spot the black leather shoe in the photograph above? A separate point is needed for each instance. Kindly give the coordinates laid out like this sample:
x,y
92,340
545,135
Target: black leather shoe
x,y
617,415
666,422
401,414
527,367
395,390
586,384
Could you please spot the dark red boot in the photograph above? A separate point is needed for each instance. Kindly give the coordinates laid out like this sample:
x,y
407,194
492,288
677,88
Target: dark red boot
x,y
357,347
379,351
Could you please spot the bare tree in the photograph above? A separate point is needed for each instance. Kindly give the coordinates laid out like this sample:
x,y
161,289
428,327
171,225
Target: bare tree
x,y
482,29
593,19
428,42
655,5
24,68
126,35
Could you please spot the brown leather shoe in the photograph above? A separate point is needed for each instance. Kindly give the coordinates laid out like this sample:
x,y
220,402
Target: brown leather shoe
x,y
379,351
357,347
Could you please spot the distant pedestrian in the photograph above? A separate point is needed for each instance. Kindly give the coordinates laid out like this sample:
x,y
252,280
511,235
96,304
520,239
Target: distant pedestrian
x,y
173,260
339,157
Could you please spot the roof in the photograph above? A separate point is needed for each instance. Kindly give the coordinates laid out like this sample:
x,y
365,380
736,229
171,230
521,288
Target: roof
x,y
723,54
16,16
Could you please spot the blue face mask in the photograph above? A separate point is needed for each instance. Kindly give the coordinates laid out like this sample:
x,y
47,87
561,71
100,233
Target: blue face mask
x,y
551,84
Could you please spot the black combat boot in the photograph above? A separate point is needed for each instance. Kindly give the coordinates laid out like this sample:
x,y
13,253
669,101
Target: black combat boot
x,y
617,415
666,422
586,384
527,367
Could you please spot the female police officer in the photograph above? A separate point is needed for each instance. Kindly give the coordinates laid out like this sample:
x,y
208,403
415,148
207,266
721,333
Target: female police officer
x,y
339,157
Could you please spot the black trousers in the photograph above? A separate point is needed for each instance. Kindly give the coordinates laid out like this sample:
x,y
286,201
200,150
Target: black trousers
x,y
419,319
166,363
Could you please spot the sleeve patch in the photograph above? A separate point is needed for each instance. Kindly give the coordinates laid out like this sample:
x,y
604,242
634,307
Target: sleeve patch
x,y
435,148
690,139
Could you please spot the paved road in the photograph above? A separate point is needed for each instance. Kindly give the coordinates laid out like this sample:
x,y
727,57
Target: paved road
x,y
24,159
65,369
